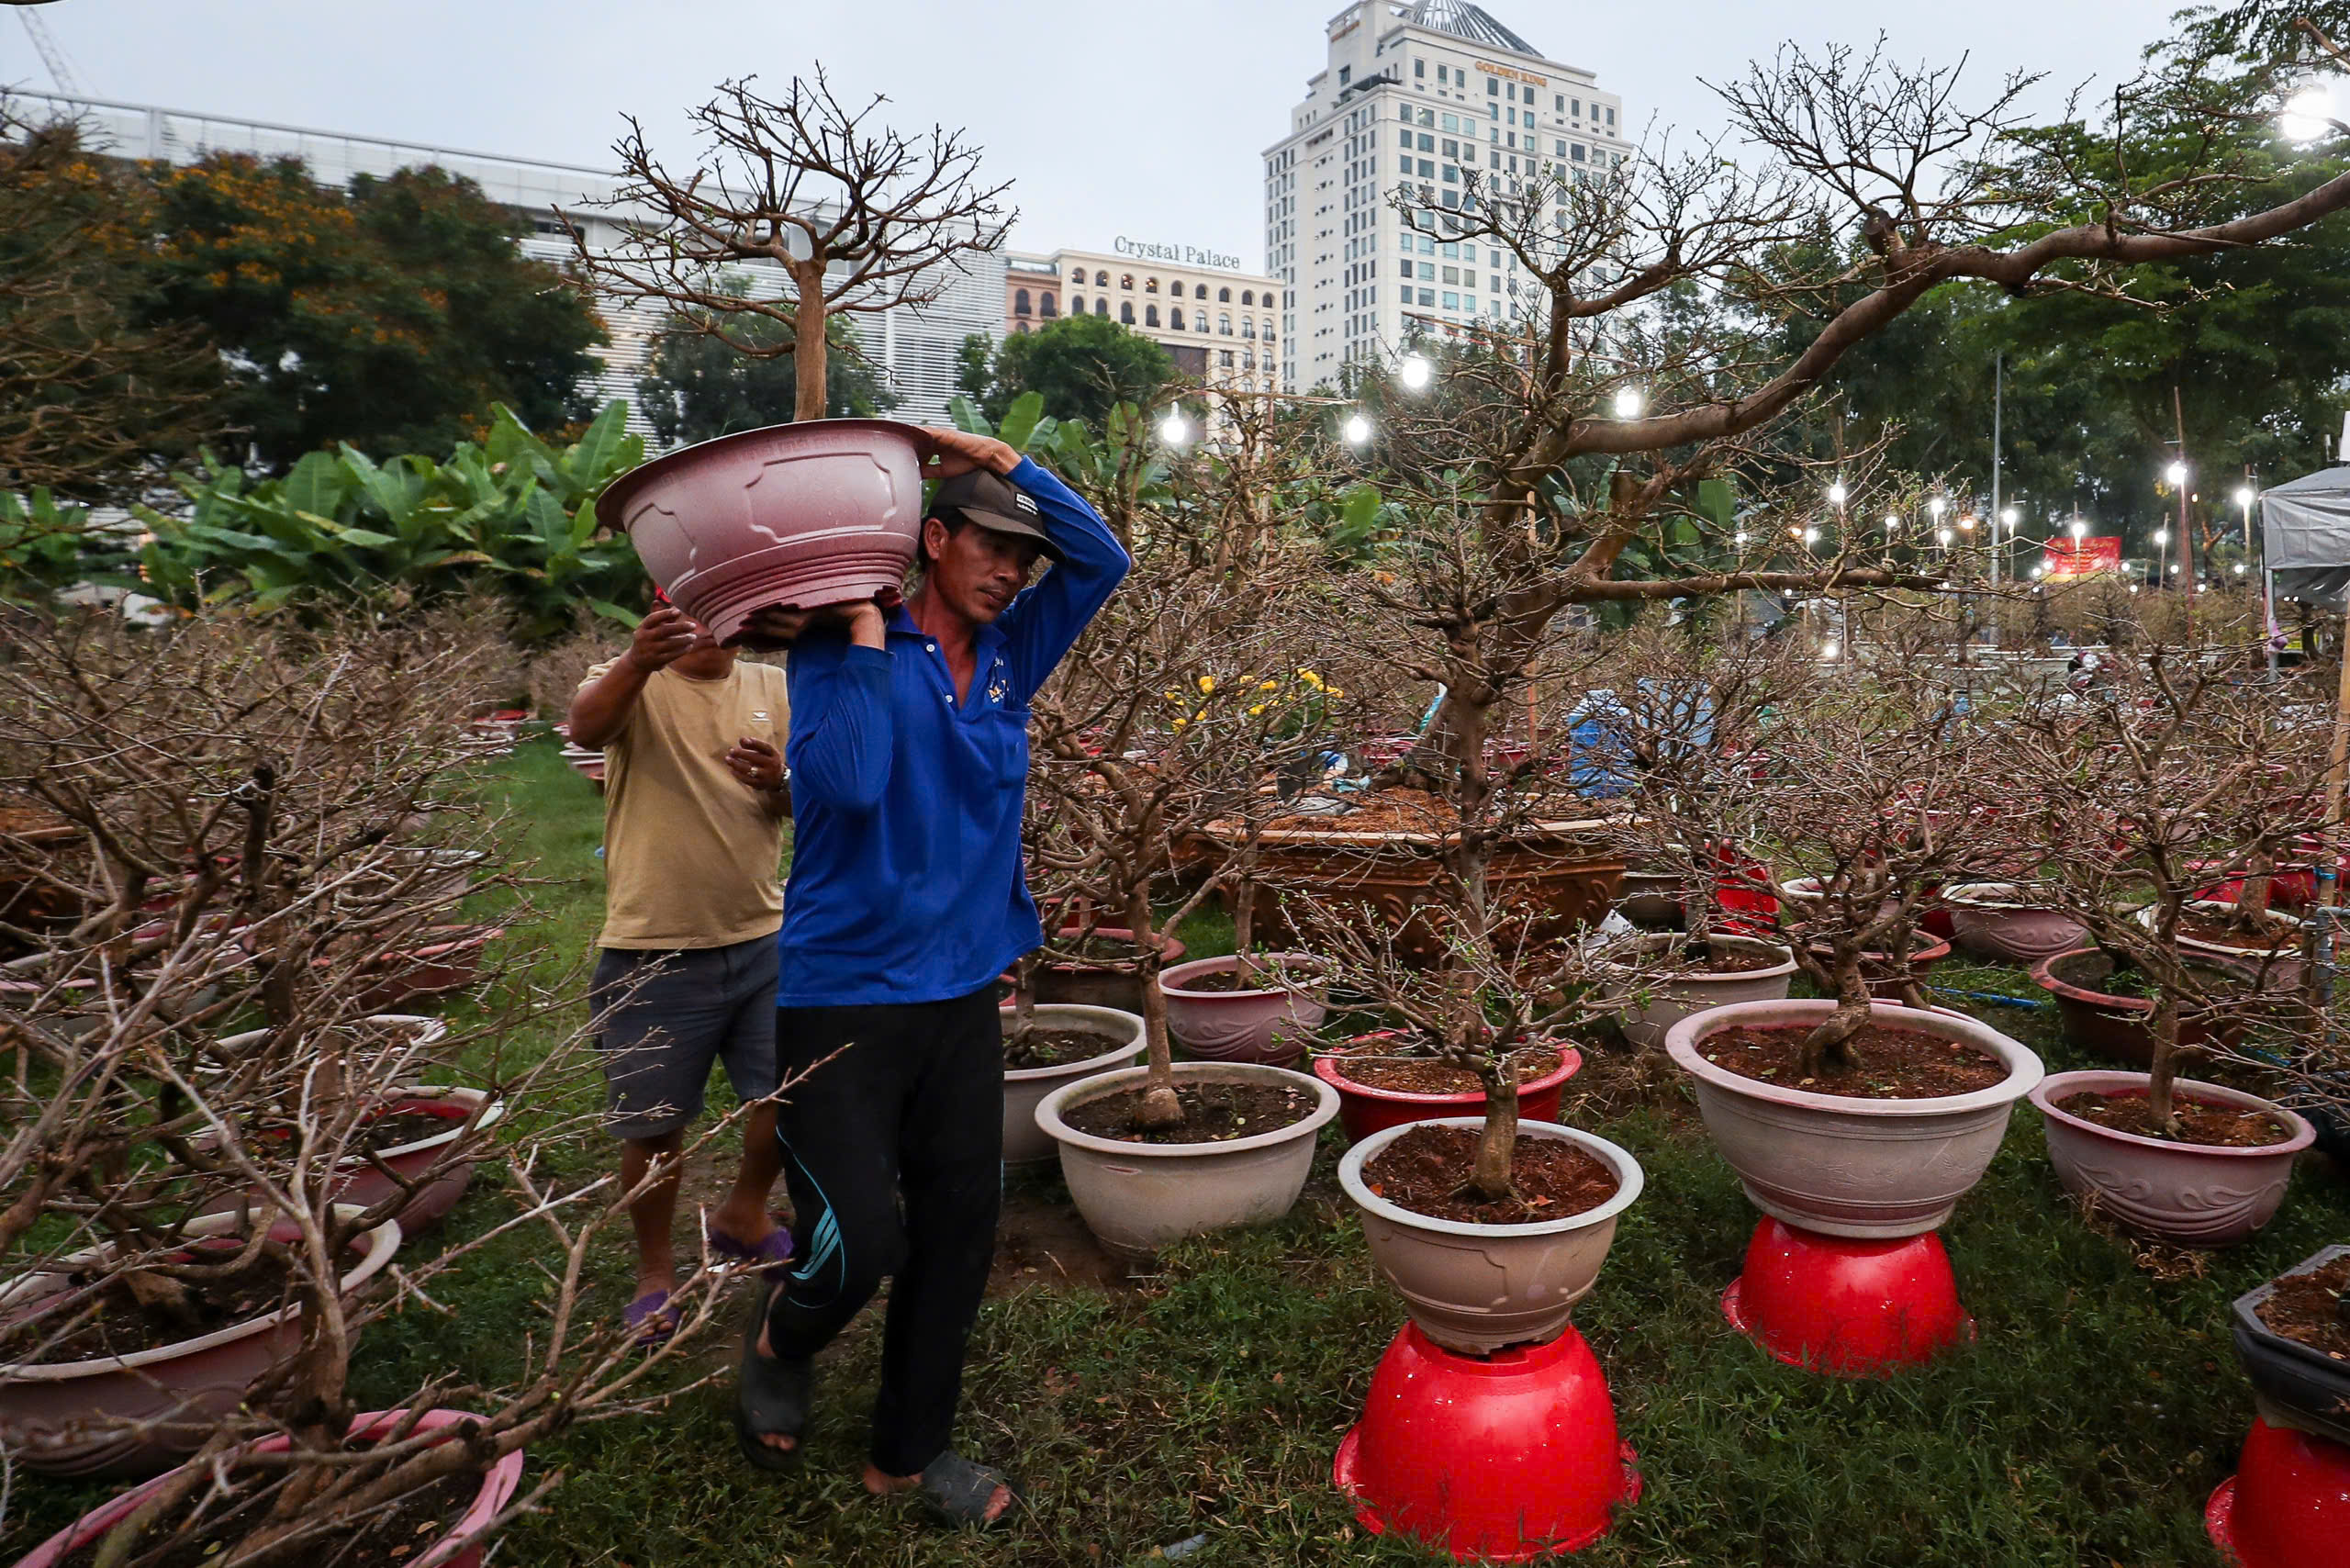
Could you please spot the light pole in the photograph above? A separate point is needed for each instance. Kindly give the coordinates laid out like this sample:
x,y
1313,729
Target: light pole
x,y
2177,475
2006,519
2162,554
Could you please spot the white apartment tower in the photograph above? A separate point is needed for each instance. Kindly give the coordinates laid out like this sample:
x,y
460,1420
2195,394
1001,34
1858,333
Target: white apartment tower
x,y
1410,96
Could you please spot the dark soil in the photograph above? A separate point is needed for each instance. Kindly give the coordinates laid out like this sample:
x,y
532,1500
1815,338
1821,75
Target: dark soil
x,y
1385,811
1725,960
2241,935
1102,949
1891,1064
400,1127
121,1326
1426,1168
1055,1048
2307,1309
2216,1126
1431,1076
398,1534
1212,1112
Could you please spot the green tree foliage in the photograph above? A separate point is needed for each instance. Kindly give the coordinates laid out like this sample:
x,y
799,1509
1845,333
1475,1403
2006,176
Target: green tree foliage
x,y
698,387
92,396
390,317
511,513
1083,367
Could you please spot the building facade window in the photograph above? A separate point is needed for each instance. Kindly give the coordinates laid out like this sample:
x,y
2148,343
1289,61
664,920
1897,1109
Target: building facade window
x,y
1021,328
1126,311
1126,280
1150,286
1223,325
1224,296
1020,302
1077,305
1101,307
1150,315
1100,280
1045,306
1175,318
1225,360
1248,327
1247,296
1176,288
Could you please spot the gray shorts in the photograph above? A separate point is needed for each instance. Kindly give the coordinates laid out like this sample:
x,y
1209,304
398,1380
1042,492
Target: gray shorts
x,y
663,1015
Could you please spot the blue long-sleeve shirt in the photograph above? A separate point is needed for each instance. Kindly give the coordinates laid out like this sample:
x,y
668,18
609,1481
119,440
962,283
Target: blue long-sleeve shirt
x,y
906,881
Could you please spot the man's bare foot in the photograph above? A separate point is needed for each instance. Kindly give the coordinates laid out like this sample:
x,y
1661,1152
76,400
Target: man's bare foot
x,y
780,1441
886,1486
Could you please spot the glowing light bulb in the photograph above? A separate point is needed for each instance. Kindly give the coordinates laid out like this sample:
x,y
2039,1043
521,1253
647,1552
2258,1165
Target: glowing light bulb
x,y
2176,473
2306,115
1829,649
2162,536
1836,494
1629,402
1417,372
2244,497
1357,429
2239,569
1936,506
2078,529
1811,536
1174,430
1943,535
2008,515
1892,522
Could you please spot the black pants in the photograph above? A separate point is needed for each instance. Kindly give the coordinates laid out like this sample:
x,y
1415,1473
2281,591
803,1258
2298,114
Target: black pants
x,y
894,1155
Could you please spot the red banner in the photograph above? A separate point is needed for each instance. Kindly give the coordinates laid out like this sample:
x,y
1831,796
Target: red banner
x,y
2079,558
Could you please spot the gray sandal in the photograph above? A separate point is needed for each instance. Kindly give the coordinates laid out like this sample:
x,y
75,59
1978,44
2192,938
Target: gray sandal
x,y
771,1397
958,1491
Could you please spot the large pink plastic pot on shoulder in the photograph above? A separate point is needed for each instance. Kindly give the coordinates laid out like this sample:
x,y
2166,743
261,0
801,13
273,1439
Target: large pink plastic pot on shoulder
x,y
804,515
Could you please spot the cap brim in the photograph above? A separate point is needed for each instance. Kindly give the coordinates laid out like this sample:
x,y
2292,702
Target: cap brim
x,y
999,522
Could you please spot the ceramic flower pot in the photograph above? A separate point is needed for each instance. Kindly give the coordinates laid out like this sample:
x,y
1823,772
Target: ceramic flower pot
x,y
1879,972
1845,1166
1653,1005
1024,1087
1139,1197
2293,1384
460,1548
1999,921
807,514
1476,1288
2278,962
1266,1023
1364,1110
1117,984
77,1417
447,961
2188,1194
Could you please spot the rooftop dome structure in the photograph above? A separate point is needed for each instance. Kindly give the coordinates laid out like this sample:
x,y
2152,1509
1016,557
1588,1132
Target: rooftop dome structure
x,y
1466,21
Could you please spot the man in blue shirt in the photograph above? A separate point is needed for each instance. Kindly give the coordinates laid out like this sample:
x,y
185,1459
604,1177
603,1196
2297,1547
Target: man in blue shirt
x,y
909,758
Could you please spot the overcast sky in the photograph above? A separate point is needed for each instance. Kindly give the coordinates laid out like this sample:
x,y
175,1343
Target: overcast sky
x,y
1114,119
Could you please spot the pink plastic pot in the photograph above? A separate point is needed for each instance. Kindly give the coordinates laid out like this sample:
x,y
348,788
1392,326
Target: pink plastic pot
x,y
807,514
461,1548
1363,1110
2186,1194
1268,1025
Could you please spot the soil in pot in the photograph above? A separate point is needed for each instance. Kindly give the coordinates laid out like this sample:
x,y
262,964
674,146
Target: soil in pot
x,y
1263,977
2307,1309
122,1326
1426,1170
1714,960
1432,1076
397,1129
1890,1063
398,1534
2214,1126
2281,937
1384,811
1056,1048
1212,1112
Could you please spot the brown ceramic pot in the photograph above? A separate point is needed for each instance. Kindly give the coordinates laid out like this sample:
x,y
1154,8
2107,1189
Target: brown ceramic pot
x,y
1999,921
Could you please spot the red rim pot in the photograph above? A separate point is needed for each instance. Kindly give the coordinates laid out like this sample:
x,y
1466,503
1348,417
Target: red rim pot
x,y
461,1548
1364,1110
818,512
438,968
2186,1194
1116,985
1267,1023
2118,1028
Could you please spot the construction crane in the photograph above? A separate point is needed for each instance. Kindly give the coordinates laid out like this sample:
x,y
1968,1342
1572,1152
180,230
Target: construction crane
x,y
45,45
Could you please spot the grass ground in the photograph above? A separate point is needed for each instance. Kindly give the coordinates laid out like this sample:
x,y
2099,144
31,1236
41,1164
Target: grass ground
x,y
2096,1409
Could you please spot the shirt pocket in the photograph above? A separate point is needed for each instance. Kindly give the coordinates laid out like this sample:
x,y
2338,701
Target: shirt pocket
x,y
1000,738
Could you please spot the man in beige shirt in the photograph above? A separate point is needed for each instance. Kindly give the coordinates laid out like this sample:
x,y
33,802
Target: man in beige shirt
x,y
694,804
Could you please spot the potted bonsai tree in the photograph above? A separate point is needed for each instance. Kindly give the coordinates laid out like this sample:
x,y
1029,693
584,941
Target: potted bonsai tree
x,y
2185,768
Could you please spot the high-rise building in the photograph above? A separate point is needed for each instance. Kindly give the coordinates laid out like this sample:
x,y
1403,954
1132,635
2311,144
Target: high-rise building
x,y
1410,97
1216,321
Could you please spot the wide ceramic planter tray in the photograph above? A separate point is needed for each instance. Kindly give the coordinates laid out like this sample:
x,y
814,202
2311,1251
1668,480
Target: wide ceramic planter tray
x,y
2308,1385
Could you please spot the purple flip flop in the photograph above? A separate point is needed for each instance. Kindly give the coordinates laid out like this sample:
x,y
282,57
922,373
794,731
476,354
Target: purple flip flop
x,y
649,1320
769,1256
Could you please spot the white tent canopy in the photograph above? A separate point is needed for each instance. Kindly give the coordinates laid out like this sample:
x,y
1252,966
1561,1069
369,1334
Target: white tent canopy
x,y
2305,532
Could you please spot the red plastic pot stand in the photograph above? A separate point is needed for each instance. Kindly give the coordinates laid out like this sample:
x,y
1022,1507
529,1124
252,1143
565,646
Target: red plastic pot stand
x,y
2287,1505
1502,1458
1847,1308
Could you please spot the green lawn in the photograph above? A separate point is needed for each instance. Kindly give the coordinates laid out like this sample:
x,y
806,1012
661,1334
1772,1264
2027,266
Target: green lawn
x,y
2097,1408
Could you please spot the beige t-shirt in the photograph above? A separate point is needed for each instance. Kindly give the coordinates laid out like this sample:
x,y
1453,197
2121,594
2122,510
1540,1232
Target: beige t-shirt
x,y
691,854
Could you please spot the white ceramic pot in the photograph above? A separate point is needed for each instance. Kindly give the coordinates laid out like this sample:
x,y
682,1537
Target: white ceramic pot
x,y
1139,1197
1653,1005
2188,1195
1844,1166
1477,1288
1024,1142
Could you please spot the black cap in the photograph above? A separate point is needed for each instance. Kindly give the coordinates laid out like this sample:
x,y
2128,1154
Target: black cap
x,y
995,504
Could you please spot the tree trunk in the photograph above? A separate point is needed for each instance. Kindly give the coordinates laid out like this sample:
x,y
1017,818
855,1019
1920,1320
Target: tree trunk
x,y
1244,927
808,323
2164,1067
1830,1045
1159,1106
1023,996
1497,1141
